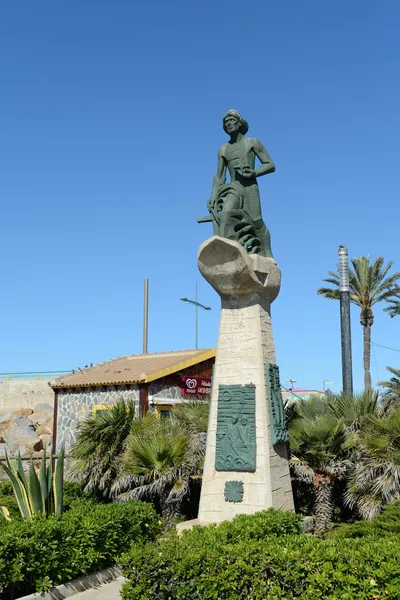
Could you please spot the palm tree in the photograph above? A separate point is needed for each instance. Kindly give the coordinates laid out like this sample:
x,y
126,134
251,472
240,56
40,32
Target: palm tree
x,y
161,457
323,437
318,453
369,285
394,307
375,478
391,396
99,444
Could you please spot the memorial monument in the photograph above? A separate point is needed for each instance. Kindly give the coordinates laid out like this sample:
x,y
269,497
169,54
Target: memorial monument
x,y
246,465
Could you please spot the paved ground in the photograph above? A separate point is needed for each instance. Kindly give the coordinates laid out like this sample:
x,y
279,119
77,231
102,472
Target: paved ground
x,y
107,591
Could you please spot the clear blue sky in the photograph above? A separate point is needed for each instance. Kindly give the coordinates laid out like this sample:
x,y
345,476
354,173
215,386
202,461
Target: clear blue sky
x,y
110,124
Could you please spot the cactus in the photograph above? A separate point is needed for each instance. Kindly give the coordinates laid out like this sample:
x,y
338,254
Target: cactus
x,y
36,494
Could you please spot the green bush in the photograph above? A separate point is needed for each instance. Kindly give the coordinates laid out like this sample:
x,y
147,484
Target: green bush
x,y
8,500
42,552
73,492
246,560
6,489
387,523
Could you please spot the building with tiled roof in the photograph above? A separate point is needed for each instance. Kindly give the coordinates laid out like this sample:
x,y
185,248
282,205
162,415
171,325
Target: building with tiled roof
x,y
152,380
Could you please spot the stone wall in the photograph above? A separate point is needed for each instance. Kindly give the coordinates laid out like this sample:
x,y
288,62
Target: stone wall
x,y
75,405
26,416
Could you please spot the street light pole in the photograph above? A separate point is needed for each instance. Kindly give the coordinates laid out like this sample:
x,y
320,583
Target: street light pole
x,y
197,319
344,290
197,305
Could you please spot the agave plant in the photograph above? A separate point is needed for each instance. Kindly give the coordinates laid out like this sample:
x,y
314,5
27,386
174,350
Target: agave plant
x,y
36,493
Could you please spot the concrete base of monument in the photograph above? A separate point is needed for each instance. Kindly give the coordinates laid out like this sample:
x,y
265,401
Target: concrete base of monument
x,y
246,467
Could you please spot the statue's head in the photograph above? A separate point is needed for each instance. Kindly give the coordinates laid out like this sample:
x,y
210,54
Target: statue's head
x,y
232,121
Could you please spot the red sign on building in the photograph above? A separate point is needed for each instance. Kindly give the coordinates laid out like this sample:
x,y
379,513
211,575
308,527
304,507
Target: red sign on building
x,y
196,386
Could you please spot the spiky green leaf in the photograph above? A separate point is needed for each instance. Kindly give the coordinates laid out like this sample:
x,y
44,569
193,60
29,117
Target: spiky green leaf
x,y
36,499
19,492
58,485
43,476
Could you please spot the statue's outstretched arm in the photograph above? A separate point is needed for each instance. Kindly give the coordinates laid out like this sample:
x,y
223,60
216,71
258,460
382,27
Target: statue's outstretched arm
x,y
267,164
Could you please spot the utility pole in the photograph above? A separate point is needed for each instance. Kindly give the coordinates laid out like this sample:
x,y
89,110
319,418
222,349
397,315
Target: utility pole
x,y
146,317
345,326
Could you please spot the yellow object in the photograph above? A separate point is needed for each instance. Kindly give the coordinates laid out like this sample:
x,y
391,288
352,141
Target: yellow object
x,y
97,407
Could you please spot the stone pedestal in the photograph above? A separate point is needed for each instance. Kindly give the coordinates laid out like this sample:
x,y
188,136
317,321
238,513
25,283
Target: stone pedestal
x,y
246,465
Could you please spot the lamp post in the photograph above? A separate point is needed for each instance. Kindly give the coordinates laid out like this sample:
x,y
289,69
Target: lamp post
x,y
326,381
344,290
197,305
291,382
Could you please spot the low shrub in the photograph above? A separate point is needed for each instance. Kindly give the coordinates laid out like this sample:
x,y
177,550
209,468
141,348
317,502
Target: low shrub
x,y
387,523
246,561
36,554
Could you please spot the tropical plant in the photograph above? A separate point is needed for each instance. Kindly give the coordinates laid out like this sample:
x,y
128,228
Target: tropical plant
x,y
36,494
323,442
320,454
375,477
394,307
99,444
369,285
160,459
353,409
391,395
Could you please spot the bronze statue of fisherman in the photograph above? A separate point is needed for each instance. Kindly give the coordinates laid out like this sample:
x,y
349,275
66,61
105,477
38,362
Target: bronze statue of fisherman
x,y
235,207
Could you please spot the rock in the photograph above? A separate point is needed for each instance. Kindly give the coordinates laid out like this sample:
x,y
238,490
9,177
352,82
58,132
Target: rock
x,y
24,412
25,425
5,417
38,446
43,406
47,441
307,524
41,417
4,426
43,430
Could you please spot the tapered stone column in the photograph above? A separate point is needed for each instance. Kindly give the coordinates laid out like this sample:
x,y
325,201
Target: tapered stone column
x,y
246,465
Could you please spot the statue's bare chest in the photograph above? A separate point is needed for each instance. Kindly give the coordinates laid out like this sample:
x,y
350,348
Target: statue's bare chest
x,y
236,152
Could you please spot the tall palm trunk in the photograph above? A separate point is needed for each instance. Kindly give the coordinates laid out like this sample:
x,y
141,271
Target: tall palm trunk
x,y
323,507
367,356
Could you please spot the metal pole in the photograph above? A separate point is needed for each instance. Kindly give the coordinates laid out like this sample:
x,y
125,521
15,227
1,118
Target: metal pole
x,y
344,289
197,320
146,316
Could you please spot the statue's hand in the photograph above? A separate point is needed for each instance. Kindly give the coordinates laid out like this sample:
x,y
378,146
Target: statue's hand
x,y
248,173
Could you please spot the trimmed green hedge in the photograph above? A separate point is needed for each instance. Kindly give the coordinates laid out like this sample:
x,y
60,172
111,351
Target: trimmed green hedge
x,y
384,524
34,555
247,560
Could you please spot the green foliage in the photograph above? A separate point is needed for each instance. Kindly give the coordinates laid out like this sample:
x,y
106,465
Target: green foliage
x,y
161,457
193,415
36,494
375,478
384,524
99,445
39,553
249,561
391,395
